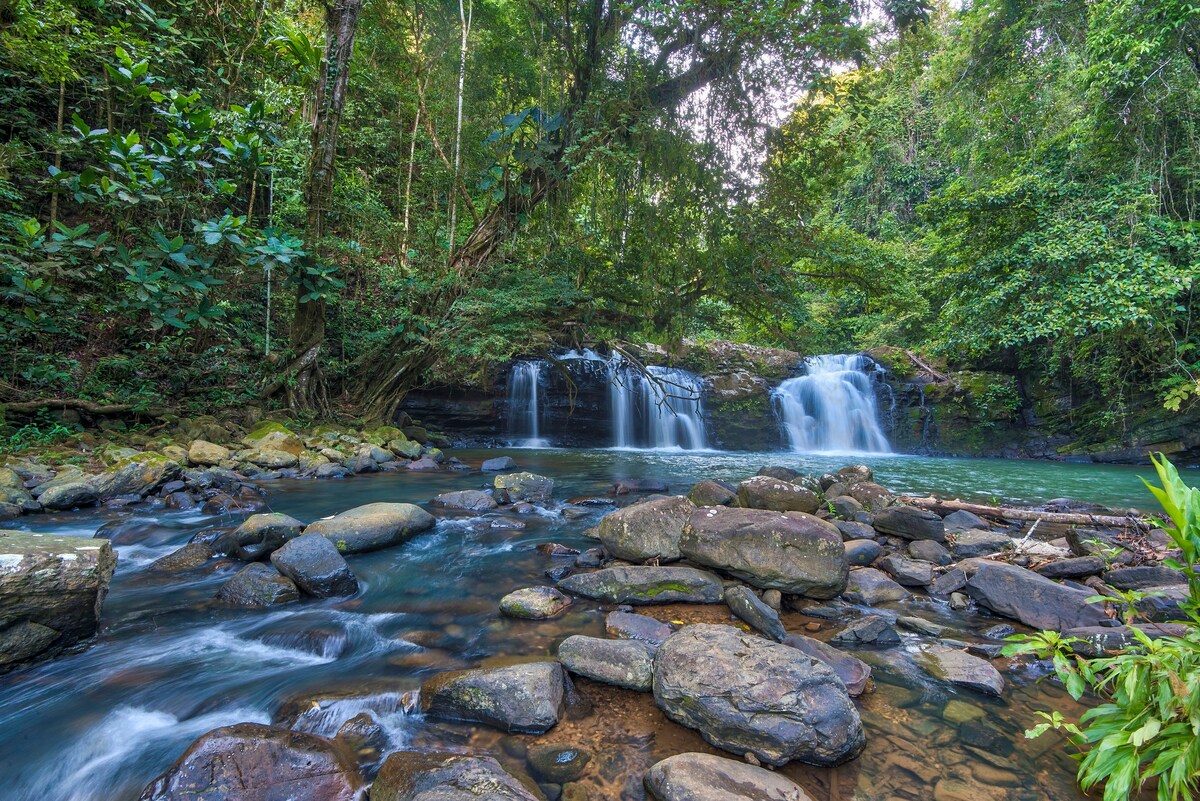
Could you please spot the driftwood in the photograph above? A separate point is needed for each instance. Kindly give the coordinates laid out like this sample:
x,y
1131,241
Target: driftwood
x,y
919,363
1008,513
91,407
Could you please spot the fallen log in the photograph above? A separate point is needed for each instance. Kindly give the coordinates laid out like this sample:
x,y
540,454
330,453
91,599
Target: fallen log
x,y
91,407
1008,513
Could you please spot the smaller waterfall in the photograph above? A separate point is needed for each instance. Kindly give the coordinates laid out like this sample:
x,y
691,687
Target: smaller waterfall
x,y
524,408
831,407
662,409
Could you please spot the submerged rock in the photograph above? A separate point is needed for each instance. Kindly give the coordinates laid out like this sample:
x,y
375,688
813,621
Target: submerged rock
x,y
373,526
189,557
630,626
854,673
746,694
258,585
315,566
497,464
646,585
750,608
647,530
426,776
51,591
624,663
791,552
524,698
961,669
777,495
259,535
253,762
534,603
472,500
705,777
1032,599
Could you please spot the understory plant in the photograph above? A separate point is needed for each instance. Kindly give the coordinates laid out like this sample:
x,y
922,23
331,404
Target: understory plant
x,y
1146,730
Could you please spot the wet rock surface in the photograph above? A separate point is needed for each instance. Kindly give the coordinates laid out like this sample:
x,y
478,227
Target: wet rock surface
x,y
1033,599
411,776
314,565
704,777
257,585
623,663
373,526
646,585
647,530
518,698
534,603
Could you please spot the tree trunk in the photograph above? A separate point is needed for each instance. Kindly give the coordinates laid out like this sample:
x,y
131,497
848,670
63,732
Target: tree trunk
x,y
464,17
1007,513
302,377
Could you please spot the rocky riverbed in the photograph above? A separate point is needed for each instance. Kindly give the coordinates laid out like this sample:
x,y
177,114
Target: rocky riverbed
x,y
796,634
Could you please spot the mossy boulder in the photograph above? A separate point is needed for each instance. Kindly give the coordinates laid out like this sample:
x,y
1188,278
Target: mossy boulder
x,y
139,475
373,526
432,776
646,585
272,436
534,603
527,698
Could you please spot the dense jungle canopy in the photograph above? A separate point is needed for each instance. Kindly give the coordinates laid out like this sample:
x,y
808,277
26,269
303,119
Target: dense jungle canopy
x,y
226,202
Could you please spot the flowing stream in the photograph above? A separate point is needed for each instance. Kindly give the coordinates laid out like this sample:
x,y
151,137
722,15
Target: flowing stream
x,y
831,407
168,665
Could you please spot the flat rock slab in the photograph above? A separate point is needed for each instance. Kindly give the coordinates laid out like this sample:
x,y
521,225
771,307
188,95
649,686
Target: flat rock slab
x,y
373,526
253,762
968,544
1034,600
961,669
51,591
791,552
624,663
647,530
1078,567
534,603
704,777
646,585
524,698
630,626
854,673
745,694
432,776
751,609
870,586
497,464
1141,577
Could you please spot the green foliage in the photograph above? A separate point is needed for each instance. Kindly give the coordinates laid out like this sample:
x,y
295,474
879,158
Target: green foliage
x,y
1145,729
40,432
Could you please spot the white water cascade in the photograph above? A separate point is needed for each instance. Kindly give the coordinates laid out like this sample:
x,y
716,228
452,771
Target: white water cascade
x,y
831,407
661,410
524,410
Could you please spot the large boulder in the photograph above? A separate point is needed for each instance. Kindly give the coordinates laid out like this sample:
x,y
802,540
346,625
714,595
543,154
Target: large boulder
x,y
524,698
647,530
705,777
373,526
745,694
854,673
524,487
791,552
207,454
646,585
872,496
777,495
137,475
961,669
257,585
469,500
258,536
910,523
433,776
68,495
870,586
625,663
253,762
1030,598
271,436
711,493
268,458
315,566
51,591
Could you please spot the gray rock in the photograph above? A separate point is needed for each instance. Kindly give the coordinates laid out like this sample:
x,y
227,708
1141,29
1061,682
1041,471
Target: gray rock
x,y
1132,578
747,606
778,471
704,777
909,572
958,522
1032,599
331,471
269,458
791,552
534,603
961,669
624,663
968,544
525,698
207,454
373,526
870,586
921,626
1078,567
646,585
647,530
433,776
854,673
872,496
854,530
524,487
845,507
315,566
910,523
951,581
860,553
871,630
472,500
745,694
929,551
257,585
1095,641
136,475
777,495
497,464
711,493
51,591
258,536
189,557
69,495
629,626
854,474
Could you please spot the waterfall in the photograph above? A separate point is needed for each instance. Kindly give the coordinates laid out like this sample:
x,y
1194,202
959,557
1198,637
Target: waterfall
x,y
831,407
524,409
660,409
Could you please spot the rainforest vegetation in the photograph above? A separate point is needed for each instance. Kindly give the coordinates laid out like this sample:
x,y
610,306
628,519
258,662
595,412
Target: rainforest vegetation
x,y
224,202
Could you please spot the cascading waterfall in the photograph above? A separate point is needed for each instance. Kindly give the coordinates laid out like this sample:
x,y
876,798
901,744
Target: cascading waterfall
x,y
524,409
661,409
831,407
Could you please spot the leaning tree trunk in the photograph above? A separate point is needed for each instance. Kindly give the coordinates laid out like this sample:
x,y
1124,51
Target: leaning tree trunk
x,y
302,377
